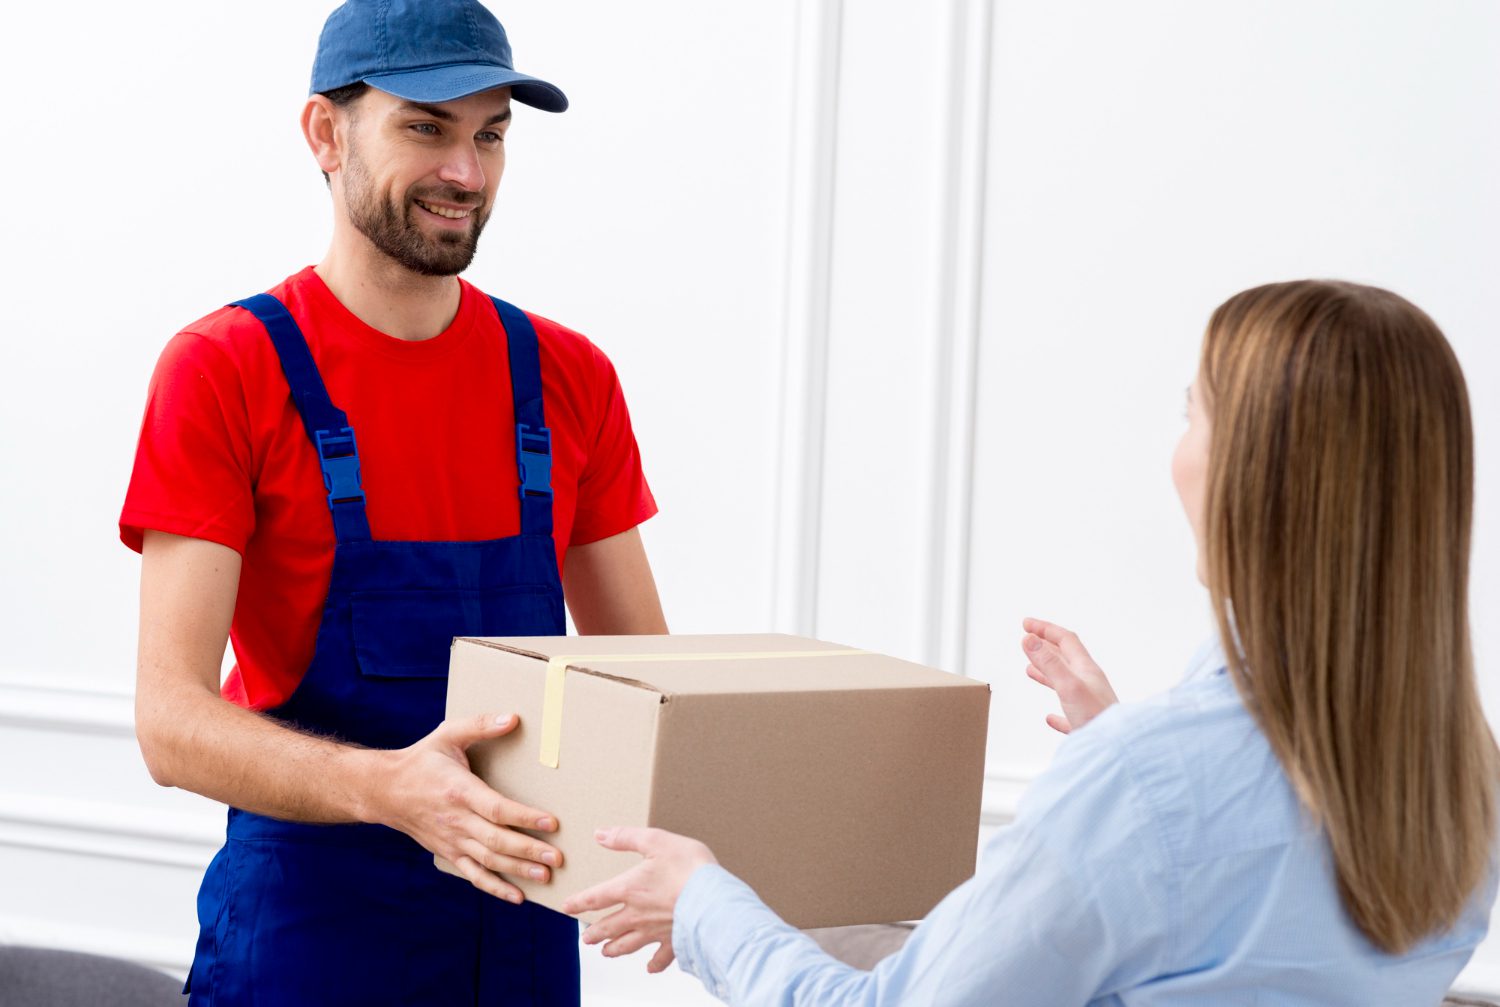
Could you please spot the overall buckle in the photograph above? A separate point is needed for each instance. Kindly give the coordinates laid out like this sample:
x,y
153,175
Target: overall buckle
x,y
534,460
339,458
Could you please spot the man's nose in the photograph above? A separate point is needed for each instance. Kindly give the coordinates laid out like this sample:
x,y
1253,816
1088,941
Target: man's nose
x,y
462,168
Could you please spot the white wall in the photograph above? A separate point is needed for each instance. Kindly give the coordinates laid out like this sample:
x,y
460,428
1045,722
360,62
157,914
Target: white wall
x,y
904,297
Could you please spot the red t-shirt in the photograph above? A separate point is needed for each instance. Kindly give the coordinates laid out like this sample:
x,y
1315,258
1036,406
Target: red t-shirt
x,y
223,455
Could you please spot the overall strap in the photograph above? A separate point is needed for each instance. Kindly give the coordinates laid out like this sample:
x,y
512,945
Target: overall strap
x,y
327,426
533,439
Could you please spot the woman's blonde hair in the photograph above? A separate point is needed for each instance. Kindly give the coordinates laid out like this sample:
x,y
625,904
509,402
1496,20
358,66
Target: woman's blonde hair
x,y
1338,511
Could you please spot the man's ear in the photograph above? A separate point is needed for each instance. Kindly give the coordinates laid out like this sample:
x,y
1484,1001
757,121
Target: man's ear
x,y
323,126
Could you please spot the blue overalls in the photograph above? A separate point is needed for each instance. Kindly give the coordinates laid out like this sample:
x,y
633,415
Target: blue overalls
x,y
292,913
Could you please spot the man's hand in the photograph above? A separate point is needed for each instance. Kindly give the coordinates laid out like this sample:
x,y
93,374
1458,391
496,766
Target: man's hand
x,y
430,794
1059,661
646,894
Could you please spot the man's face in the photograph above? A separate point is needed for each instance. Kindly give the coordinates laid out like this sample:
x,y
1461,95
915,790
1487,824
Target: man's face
x,y
419,180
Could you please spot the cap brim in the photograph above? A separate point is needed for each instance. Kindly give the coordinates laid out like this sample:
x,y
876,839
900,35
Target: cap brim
x,y
447,83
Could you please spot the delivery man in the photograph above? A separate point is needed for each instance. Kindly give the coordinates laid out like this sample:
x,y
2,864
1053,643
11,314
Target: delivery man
x,y
339,476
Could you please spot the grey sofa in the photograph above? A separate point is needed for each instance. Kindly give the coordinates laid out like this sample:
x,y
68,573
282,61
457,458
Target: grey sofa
x,y
40,977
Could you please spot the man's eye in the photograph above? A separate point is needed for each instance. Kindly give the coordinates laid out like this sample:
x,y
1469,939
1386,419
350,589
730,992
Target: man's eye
x,y
490,137
425,128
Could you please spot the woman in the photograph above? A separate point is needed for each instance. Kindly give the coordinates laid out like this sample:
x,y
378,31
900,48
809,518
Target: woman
x,y
1309,818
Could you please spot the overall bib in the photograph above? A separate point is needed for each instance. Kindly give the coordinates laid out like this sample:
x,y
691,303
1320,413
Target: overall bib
x,y
292,913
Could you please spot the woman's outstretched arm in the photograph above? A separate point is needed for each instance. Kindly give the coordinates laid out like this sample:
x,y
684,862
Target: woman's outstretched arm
x,y
1072,900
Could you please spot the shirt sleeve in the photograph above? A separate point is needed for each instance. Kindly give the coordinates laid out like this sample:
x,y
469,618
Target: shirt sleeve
x,y
192,473
1072,901
613,496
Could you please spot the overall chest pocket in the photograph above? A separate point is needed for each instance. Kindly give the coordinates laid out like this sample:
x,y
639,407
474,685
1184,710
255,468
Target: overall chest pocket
x,y
407,634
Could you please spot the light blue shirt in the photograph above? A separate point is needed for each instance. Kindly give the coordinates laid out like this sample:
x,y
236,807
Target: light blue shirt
x,y
1162,859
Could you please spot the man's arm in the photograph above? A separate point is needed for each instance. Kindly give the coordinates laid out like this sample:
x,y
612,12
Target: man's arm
x,y
610,590
193,739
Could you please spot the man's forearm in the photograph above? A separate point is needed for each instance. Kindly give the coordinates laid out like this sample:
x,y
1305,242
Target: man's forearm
x,y
195,740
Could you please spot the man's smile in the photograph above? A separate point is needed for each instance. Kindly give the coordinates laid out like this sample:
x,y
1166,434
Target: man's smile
x,y
450,212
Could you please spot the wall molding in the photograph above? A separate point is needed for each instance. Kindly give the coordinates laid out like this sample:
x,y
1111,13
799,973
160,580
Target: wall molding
x,y
806,292
140,833
1002,796
111,830
956,316
84,708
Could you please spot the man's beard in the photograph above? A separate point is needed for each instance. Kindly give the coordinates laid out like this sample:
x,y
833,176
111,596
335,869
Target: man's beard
x,y
391,229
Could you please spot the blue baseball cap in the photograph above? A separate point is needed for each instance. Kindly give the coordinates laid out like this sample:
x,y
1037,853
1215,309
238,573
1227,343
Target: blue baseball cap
x,y
423,50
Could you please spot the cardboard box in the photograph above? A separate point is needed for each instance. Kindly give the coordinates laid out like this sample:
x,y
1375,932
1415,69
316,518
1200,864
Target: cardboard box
x,y
843,786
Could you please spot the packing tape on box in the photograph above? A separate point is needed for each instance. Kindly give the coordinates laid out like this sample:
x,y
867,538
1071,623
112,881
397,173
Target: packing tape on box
x,y
557,669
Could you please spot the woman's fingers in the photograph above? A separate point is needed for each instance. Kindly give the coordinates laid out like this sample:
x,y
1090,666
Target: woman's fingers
x,y
1059,661
601,896
610,927
646,893
1048,659
626,944
620,932
624,933
632,839
664,956
1064,639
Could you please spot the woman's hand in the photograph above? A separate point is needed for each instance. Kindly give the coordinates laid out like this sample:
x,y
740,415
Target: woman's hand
x,y
646,893
1059,661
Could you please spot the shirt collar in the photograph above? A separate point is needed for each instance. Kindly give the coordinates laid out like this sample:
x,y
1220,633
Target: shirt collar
x,y
1207,661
